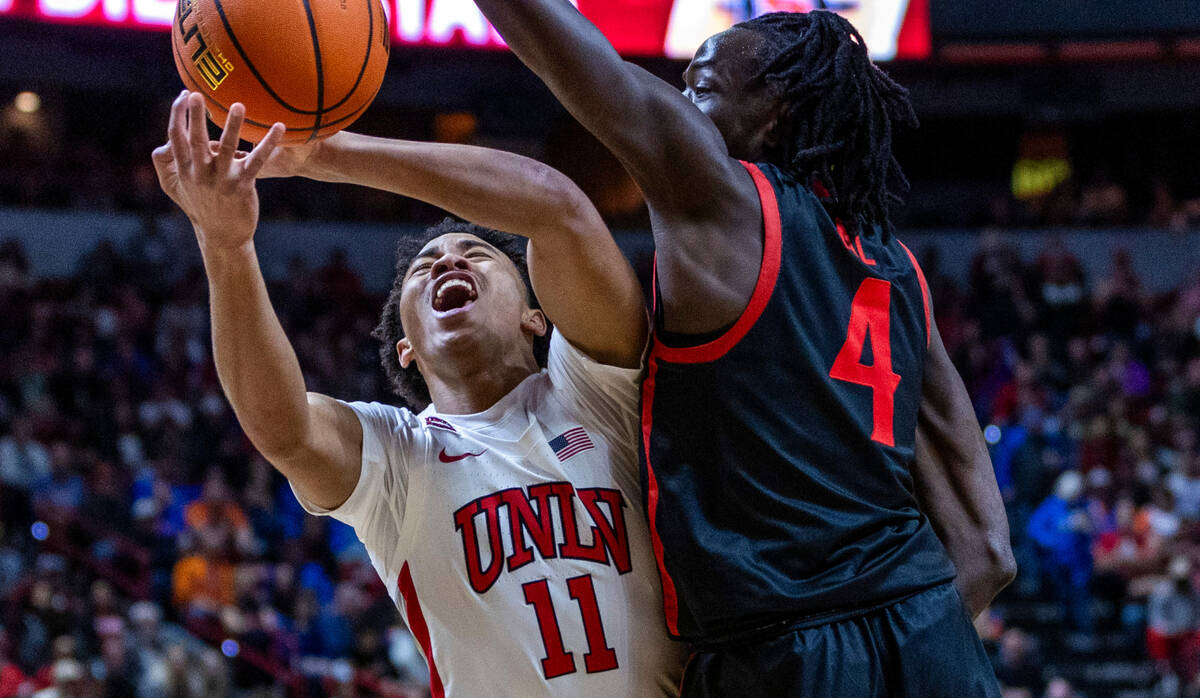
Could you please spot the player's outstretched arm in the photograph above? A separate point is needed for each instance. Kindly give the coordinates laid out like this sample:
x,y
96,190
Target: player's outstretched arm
x,y
956,485
582,280
705,208
313,440
675,152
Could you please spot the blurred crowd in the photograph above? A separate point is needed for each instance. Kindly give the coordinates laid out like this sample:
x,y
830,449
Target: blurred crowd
x,y
145,549
66,155
1090,392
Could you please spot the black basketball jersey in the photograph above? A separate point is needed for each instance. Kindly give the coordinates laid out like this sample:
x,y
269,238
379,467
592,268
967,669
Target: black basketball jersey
x,y
776,456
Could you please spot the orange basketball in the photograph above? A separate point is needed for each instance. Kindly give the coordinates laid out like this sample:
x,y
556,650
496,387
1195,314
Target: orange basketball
x,y
314,65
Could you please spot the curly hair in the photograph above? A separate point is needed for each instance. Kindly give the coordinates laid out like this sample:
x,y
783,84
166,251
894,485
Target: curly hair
x,y
841,112
408,383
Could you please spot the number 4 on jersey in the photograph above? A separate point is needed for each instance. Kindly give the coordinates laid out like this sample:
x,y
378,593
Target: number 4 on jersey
x,y
871,313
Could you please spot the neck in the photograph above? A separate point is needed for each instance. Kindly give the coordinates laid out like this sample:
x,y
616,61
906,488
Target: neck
x,y
476,386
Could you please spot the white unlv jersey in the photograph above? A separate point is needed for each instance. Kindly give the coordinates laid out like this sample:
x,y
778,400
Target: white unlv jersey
x,y
514,542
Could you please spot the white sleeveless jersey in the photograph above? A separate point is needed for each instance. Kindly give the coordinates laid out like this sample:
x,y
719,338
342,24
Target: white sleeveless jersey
x,y
513,541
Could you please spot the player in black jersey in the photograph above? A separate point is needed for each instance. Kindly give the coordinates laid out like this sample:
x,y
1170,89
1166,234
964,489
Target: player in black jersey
x,y
811,460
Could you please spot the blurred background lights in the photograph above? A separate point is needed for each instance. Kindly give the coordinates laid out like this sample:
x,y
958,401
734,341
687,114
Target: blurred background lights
x,y
230,648
27,102
991,434
39,530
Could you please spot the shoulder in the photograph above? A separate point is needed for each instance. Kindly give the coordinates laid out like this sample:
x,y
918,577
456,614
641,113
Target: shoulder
x,y
569,368
379,413
390,426
595,392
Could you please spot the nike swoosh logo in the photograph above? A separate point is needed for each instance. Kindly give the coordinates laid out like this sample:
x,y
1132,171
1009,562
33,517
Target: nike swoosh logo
x,y
454,459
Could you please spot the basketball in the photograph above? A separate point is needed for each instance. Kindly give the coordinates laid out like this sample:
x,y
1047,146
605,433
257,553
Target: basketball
x,y
314,65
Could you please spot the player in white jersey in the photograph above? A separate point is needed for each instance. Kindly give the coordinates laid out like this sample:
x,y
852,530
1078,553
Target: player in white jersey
x,y
505,518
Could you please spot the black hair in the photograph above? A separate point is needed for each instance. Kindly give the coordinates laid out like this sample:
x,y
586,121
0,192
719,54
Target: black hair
x,y
840,113
408,383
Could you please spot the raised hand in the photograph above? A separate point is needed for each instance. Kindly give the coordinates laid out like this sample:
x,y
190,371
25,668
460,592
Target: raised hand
x,y
214,187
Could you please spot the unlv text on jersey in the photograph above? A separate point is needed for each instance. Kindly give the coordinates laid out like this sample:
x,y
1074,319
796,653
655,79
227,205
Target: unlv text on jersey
x,y
529,511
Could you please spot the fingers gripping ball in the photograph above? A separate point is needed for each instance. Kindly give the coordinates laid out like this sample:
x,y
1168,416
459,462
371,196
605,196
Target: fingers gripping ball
x,y
314,65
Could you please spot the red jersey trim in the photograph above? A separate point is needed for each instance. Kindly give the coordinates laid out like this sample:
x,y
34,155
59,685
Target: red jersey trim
x,y
767,275
924,295
670,599
420,631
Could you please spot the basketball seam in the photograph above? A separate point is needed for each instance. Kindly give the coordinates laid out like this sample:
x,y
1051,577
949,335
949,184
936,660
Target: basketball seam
x,y
366,60
312,30
254,71
191,81
349,117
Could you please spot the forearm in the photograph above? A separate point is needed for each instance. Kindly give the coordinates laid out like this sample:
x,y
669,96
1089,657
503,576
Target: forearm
x,y
952,478
981,575
255,362
492,188
569,54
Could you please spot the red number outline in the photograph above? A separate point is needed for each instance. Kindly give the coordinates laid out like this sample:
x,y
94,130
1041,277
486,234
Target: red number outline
x,y
558,661
871,313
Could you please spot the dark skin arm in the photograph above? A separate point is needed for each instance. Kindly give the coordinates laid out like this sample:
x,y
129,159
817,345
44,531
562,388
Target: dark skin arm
x,y
707,224
706,216
956,486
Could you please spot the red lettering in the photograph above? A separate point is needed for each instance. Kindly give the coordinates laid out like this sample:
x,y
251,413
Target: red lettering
x,y
534,523
540,525
870,313
572,548
558,660
464,521
600,657
610,531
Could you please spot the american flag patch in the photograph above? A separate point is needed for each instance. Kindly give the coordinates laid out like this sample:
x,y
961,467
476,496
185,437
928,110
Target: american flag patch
x,y
439,423
571,442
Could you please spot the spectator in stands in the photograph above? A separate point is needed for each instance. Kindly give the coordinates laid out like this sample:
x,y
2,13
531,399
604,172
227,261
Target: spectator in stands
x,y
1119,300
216,516
23,460
203,580
1061,290
1061,529
12,680
1019,665
62,489
1058,687
1173,623
1122,553
69,681
149,649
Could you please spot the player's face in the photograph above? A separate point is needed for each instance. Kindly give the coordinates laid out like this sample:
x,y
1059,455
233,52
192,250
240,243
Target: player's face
x,y
720,81
462,294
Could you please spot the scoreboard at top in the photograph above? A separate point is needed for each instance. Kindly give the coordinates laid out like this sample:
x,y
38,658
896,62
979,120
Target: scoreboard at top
x,y
671,28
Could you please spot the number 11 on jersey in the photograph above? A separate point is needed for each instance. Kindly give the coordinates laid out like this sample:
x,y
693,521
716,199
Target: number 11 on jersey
x,y
558,661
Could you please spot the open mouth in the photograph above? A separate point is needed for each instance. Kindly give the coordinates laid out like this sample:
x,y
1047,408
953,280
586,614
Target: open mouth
x,y
454,291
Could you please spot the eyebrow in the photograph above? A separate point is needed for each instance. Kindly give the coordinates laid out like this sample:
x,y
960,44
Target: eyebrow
x,y
465,245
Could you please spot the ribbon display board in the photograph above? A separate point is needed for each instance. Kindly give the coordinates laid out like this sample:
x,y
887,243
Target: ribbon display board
x,y
650,28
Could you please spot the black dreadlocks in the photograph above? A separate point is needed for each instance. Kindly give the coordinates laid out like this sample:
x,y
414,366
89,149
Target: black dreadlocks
x,y
408,383
837,125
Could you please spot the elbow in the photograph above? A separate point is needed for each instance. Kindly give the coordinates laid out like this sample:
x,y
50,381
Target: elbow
x,y
1002,566
1005,571
562,200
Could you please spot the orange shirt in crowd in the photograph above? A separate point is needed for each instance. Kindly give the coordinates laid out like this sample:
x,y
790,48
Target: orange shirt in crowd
x,y
199,579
